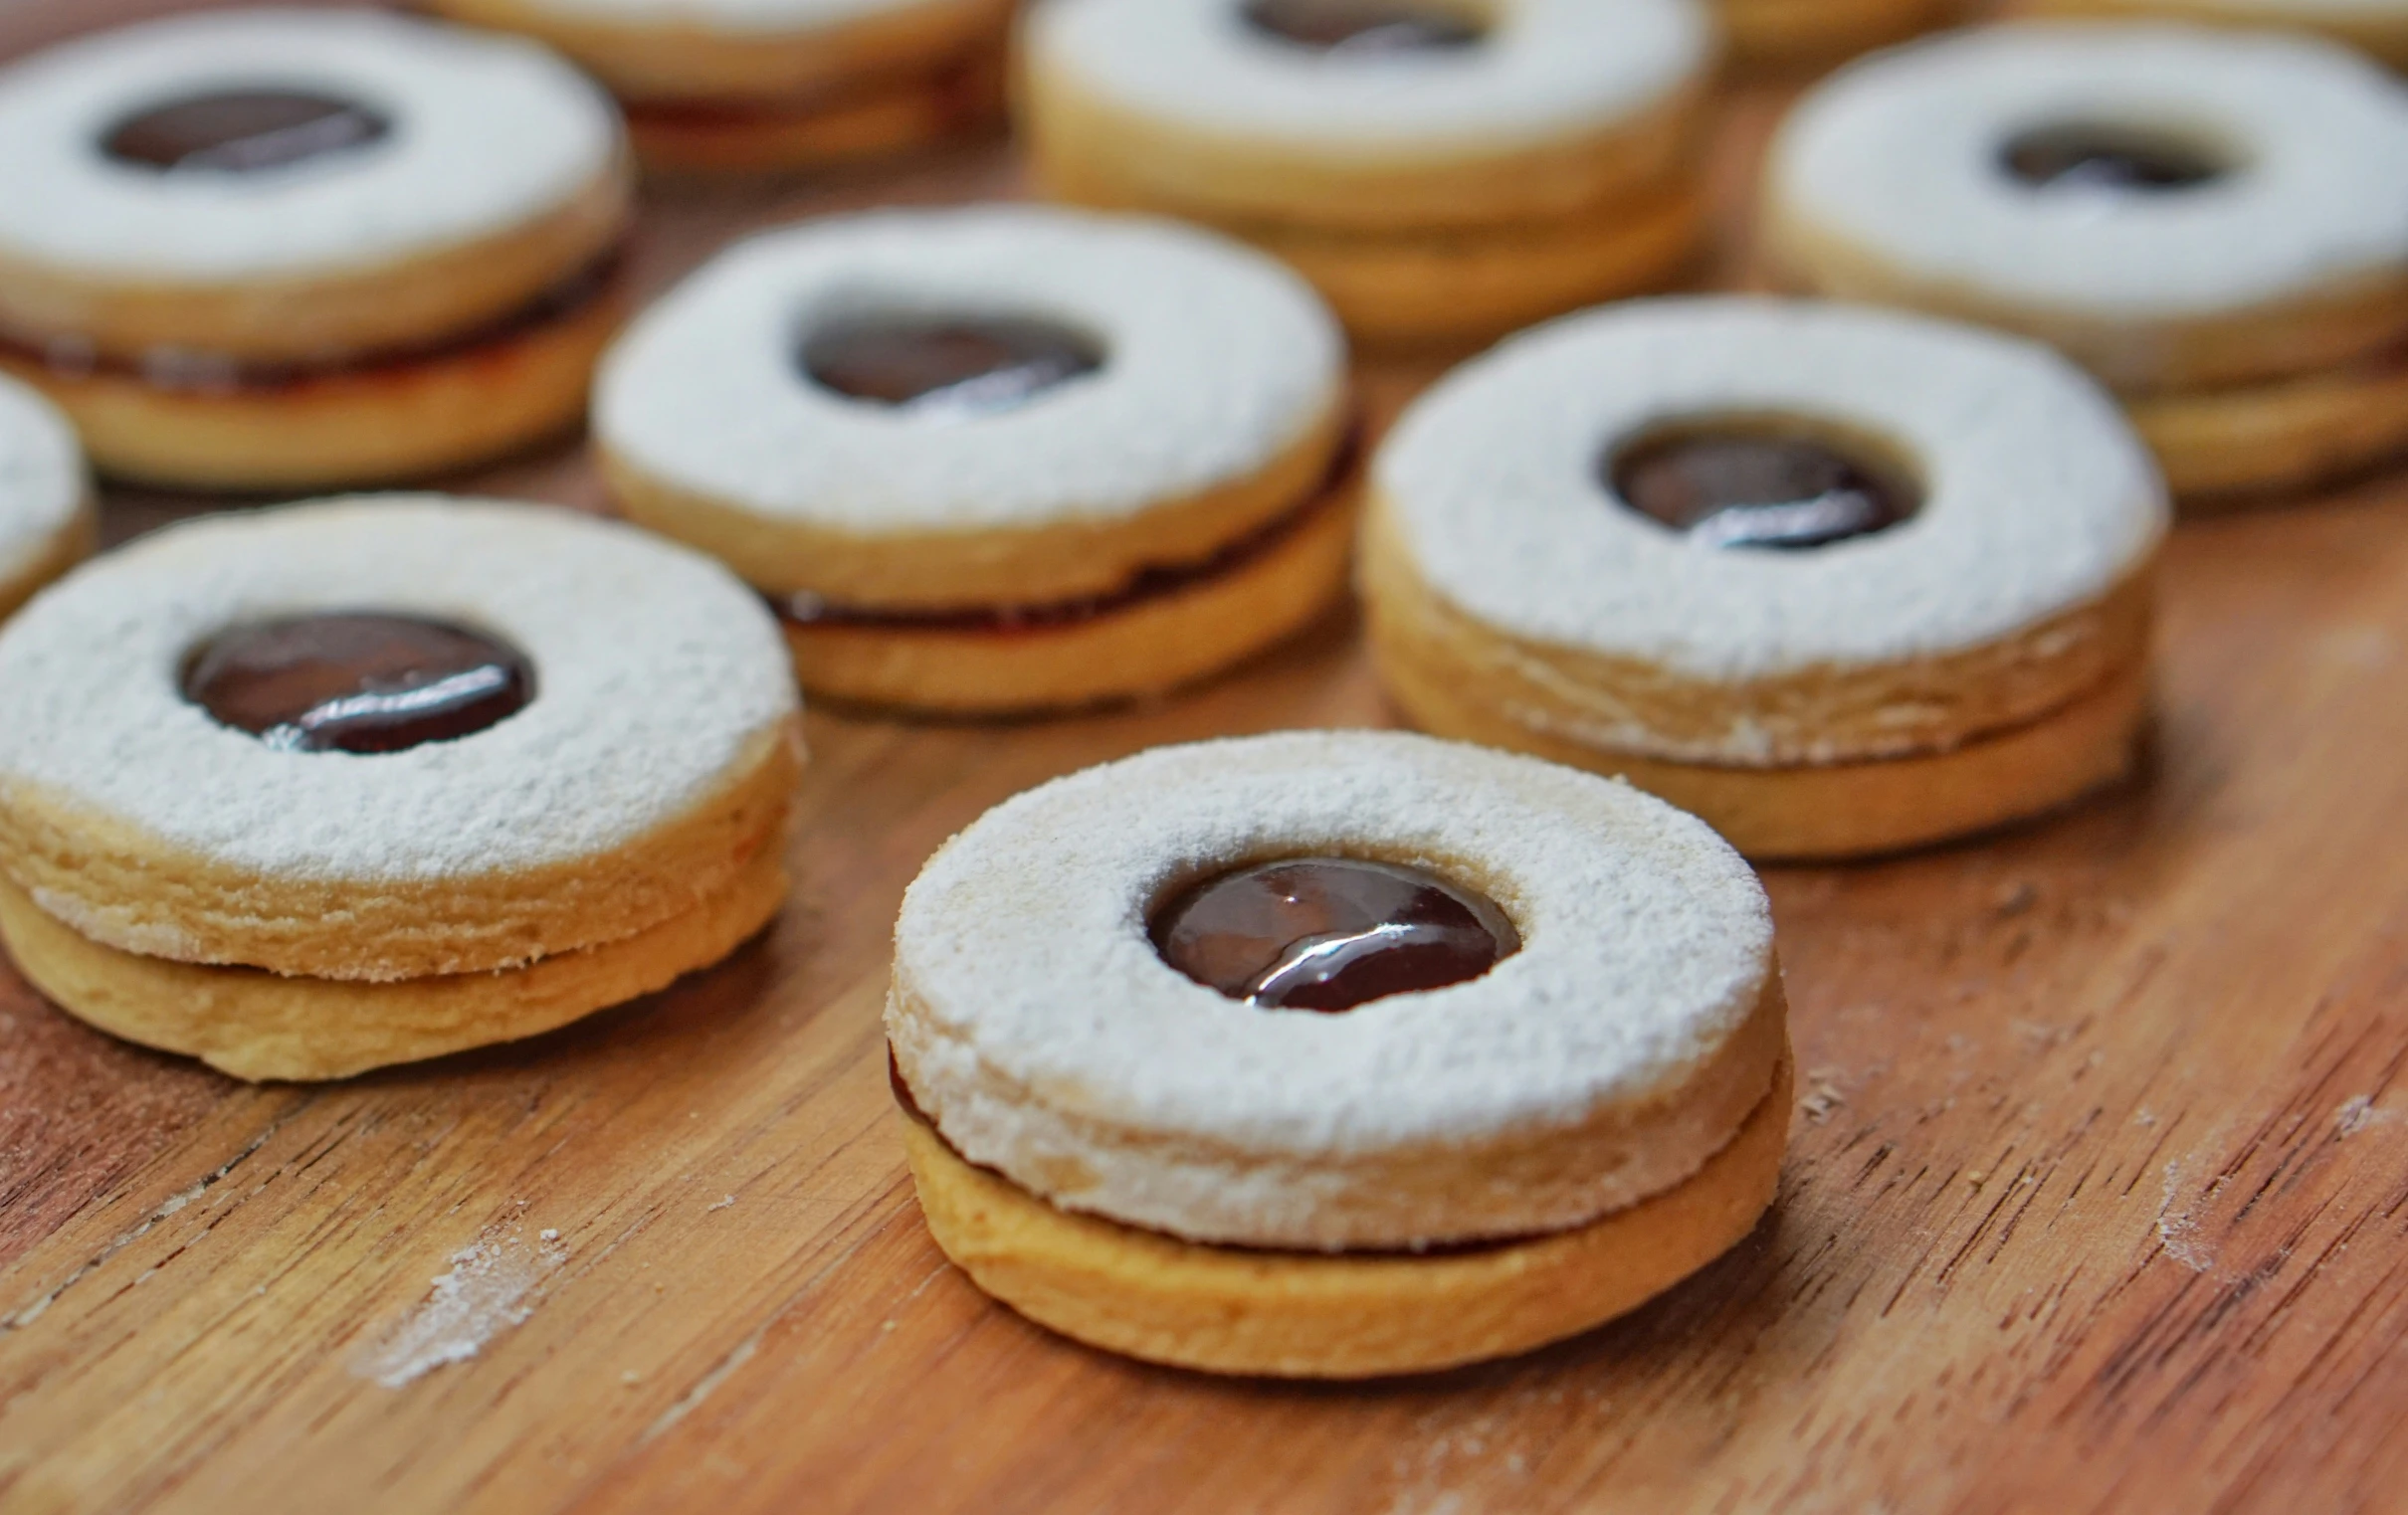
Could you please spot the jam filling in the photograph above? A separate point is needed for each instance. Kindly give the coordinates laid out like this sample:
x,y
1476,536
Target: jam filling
x,y
357,682
804,609
2119,159
1330,933
945,365
1362,27
242,131
176,369
1738,487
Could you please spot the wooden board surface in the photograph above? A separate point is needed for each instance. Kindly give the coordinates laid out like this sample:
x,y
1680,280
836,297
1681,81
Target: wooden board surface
x,y
2096,1198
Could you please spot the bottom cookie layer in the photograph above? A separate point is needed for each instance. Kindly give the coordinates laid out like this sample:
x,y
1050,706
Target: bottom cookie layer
x,y
1450,286
381,423
1837,809
70,546
1227,1309
1792,34
884,120
2261,439
259,1026
1149,644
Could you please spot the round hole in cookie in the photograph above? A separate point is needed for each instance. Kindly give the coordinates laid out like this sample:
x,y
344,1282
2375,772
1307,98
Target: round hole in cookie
x,y
364,681
1366,27
242,131
1328,933
1786,482
945,364
2110,157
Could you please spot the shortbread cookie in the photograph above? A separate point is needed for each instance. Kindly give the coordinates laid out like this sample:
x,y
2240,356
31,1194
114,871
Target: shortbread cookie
x,y
1336,1054
1792,34
999,459
1393,148
1837,580
310,790
46,509
2379,27
761,85
276,249
2211,221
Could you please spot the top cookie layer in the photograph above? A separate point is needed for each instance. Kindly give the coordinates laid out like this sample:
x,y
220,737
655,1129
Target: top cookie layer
x,y
41,479
1216,361
486,134
1545,69
657,674
1900,156
1043,1034
2037,497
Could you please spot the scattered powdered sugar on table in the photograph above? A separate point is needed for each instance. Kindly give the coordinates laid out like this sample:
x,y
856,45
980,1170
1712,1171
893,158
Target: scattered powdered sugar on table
x,y
489,1288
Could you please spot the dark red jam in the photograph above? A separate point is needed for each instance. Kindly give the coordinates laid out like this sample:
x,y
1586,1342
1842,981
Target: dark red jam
x,y
2119,159
357,682
963,365
1363,26
1741,487
242,131
1330,933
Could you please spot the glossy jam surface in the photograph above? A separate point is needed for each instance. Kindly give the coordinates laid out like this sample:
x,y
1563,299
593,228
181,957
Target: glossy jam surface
x,y
1330,933
1742,488
1354,27
242,131
2118,159
357,682
946,365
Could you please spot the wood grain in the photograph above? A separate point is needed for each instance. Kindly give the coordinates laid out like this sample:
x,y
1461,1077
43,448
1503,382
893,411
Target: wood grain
x,y
2095,1199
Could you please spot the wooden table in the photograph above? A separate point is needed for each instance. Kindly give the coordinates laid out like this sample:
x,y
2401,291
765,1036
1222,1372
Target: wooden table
x,y
2095,1197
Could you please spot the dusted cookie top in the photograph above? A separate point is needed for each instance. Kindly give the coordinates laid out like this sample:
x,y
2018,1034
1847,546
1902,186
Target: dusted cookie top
x,y
40,477
654,673
2032,494
1197,363
1044,1032
1539,70
1904,155
769,16
451,137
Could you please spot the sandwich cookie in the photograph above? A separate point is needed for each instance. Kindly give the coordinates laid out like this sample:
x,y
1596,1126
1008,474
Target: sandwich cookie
x,y
1837,580
1441,172
47,522
752,86
1336,1054
2379,27
999,459
1792,34
279,249
308,791
2212,223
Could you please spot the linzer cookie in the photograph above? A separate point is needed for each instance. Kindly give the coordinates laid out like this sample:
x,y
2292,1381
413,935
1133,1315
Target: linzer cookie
x,y
998,459
1441,172
1336,1054
279,249
1837,580
2211,221
46,507
755,86
311,790
2379,27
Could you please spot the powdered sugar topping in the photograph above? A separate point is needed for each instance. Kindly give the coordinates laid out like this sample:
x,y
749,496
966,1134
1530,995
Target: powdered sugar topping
x,y
41,476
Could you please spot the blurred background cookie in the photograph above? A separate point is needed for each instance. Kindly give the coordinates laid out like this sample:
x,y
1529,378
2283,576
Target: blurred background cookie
x,y
2213,222
1788,35
999,459
2378,26
1442,173
1837,580
46,507
756,85
279,249
307,790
